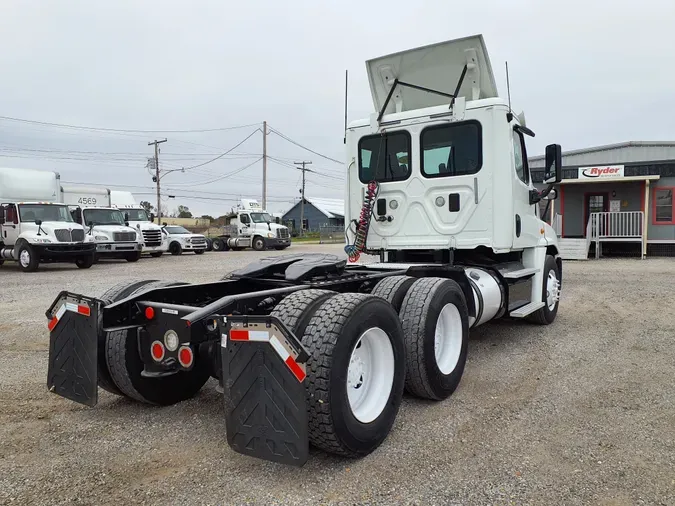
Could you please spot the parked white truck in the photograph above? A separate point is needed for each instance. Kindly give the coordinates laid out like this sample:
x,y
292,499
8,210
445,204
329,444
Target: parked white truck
x,y
34,227
91,207
252,227
154,242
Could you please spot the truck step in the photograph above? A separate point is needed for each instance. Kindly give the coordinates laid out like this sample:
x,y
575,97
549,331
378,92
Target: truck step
x,y
524,311
520,273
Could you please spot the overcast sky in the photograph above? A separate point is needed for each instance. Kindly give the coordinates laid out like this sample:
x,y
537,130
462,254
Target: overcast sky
x,y
586,73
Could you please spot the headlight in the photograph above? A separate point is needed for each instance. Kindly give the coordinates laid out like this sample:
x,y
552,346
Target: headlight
x,y
41,240
101,238
270,234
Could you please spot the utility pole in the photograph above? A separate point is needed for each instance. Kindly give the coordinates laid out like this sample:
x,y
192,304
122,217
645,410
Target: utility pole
x,y
157,143
302,193
264,191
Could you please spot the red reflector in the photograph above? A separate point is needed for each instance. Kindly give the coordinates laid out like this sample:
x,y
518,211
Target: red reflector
x,y
149,312
84,310
185,356
239,335
295,369
52,323
157,350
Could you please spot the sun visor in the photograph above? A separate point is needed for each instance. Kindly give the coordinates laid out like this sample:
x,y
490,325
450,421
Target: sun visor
x,y
437,67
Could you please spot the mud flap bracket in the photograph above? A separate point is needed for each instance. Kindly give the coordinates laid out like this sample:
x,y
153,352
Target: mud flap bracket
x,y
263,367
73,348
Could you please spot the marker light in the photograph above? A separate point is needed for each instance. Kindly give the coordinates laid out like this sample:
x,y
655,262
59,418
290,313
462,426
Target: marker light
x,y
440,201
149,313
157,351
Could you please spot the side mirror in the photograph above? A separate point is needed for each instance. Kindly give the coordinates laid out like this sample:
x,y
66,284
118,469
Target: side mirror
x,y
553,169
152,217
552,195
38,222
126,216
126,223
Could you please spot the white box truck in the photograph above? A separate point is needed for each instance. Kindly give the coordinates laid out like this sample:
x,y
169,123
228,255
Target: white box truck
x,y
91,207
252,227
34,227
154,242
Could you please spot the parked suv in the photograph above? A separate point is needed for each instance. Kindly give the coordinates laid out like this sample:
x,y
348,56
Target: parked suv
x,y
180,240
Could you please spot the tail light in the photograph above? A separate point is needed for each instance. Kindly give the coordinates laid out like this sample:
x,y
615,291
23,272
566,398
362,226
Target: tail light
x,y
157,351
185,356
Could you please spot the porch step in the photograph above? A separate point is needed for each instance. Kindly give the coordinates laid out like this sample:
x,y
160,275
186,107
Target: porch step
x,y
572,249
524,311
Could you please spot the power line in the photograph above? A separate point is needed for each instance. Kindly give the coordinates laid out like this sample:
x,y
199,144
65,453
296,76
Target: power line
x,y
124,130
274,130
226,152
237,171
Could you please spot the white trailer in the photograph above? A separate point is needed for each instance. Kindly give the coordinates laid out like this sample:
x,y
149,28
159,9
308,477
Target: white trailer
x,y
316,349
34,227
91,207
154,242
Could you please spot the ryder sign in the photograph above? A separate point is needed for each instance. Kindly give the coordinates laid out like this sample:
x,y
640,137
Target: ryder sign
x,y
601,172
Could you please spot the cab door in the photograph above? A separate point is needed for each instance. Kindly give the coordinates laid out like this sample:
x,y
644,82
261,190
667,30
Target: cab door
x,y
527,225
10,227
244,224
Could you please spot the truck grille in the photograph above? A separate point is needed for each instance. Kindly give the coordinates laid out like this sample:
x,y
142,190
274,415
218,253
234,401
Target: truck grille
x,y
282,233
65,235
124,236
152,237
199,241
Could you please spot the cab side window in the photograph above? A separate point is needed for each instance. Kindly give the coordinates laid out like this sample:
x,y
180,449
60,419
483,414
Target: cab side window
x,y
245,220
520,156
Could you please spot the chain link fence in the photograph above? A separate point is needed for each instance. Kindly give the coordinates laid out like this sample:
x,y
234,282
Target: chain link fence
x,y
331,234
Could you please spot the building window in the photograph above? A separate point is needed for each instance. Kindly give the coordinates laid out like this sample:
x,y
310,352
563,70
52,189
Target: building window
x,y
451,150
663,206
384,157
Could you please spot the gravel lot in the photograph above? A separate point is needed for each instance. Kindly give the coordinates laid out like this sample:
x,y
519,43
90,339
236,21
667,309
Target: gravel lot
x,y
581,412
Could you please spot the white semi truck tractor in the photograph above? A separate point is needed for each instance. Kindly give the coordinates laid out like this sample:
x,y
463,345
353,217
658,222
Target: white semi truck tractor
x,y
252,227
91,207
154,242
316,348
34,227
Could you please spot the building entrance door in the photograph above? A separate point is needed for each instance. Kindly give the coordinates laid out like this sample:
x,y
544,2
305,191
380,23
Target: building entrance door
x,y
594,203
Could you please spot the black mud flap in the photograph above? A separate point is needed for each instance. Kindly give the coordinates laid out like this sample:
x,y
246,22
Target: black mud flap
x,y
73,348
263,381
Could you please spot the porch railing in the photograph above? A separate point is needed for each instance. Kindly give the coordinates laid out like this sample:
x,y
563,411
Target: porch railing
x,y
615,226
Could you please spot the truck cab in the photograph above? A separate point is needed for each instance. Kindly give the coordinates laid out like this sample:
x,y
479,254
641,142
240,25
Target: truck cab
x,y
252,227
154,241
42,232
111,232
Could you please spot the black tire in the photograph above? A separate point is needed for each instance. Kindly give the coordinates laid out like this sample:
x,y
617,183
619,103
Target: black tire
x,y
133,257
113,294
258,243
156,254
209,244
175,248
199,251
332,334
31,262
419,315
125,366
85,262
393,289
545,316
219,244
298,308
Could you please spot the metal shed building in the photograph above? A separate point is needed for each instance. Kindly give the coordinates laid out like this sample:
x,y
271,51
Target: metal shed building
x,y
318,212
614,196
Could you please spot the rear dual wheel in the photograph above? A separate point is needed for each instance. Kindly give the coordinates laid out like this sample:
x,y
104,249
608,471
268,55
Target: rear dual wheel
x,y
435,321
356,369
120,365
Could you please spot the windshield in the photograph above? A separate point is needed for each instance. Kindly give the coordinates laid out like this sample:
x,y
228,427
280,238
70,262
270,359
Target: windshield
x,y
177,230
103,217
44,212
261,218
136,214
